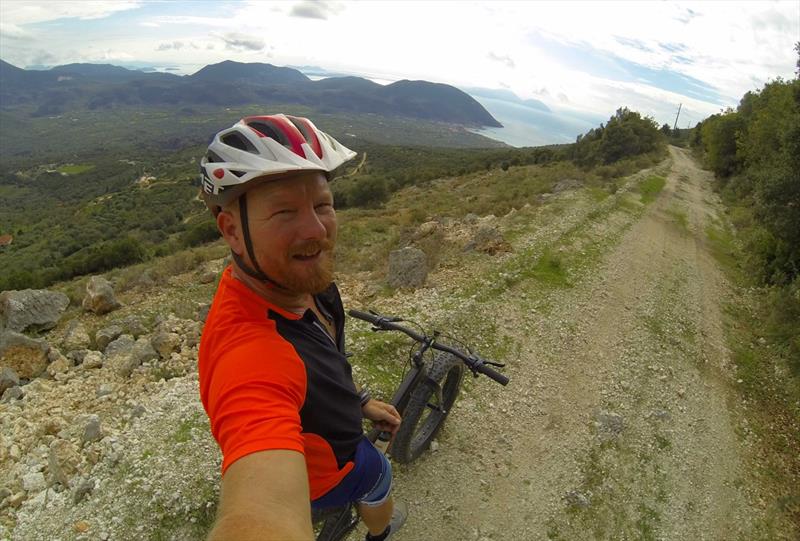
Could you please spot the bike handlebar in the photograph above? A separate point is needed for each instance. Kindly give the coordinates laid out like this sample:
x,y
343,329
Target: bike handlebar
x,y
474,362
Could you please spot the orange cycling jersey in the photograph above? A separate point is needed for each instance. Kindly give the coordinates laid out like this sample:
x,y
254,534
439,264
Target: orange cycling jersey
x,y
271,379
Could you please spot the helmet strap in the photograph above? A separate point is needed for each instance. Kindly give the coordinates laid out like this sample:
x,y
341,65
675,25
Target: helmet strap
x,y
256,272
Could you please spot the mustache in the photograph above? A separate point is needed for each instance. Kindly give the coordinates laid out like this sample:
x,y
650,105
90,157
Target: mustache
x,y
312,247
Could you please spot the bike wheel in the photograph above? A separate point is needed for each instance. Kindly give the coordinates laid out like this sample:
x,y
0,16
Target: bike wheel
x,y
427,408
334,524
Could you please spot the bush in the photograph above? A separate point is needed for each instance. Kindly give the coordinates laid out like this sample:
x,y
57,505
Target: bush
x,y
200,234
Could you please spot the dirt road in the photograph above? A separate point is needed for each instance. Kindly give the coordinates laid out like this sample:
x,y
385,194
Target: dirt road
x,y
621,421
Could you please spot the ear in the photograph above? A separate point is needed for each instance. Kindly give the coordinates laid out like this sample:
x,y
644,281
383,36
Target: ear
x,y
231,231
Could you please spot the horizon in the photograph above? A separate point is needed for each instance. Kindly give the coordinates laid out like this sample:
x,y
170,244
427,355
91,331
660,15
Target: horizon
x,y
650,57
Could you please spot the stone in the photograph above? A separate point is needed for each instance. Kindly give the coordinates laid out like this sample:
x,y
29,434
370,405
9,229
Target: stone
x,y
132,325
33,482
77,355
567,184
165,343
124,343
206,276
99,297
609,425
489,240
92,431
12,393
106,335
76,336
138,410
26,356
34,309
16,500
578,499
83,489
58,364
426,229
104,390
8,379
119,355
143,351
192,336
407,268
63,461
93,359
81,526
471,218
202,312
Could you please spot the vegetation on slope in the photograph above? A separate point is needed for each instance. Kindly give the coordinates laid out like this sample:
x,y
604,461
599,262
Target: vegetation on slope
x,y
91,211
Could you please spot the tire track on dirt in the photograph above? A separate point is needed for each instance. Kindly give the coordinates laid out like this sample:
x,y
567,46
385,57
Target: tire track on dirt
x,y
617,423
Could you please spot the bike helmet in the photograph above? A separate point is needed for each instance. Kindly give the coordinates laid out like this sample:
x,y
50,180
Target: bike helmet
x,y
258,148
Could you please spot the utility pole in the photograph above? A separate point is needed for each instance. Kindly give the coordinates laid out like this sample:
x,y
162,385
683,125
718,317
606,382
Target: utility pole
x,y
675,127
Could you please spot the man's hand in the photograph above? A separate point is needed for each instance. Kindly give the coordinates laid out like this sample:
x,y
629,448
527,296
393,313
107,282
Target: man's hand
x,y
384,415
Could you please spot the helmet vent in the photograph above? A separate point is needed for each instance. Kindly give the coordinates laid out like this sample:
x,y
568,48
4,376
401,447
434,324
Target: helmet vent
x,y
237,173
270,131
237,141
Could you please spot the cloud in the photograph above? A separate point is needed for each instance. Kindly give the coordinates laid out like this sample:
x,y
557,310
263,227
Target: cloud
x,y
150,25
505,59
177,45
686,16
242,42
315,10
26,12
43,58
12,31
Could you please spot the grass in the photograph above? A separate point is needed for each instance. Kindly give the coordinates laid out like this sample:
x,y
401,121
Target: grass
x,y
72,169
764,378
550,269
679,218
651,187
722,243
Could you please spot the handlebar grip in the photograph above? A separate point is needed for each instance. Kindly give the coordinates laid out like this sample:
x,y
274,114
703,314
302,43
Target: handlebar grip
x,y
372,318
494,374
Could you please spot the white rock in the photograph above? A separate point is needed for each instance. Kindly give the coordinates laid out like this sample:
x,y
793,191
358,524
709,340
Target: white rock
x,y
33,482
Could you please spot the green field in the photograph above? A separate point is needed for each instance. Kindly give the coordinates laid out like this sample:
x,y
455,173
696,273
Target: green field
x,y
75,169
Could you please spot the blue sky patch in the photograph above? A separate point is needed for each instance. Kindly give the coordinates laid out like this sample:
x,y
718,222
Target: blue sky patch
x,y
585,58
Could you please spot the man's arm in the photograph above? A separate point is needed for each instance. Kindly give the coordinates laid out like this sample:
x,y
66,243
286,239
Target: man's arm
x,y
265,497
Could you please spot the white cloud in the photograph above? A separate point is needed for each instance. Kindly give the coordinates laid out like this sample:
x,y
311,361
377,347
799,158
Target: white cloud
x,y
12,31
242,42
25,12
503,59
315,9
176,45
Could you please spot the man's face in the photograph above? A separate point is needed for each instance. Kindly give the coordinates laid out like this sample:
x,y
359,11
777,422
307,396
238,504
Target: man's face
x,y
293,228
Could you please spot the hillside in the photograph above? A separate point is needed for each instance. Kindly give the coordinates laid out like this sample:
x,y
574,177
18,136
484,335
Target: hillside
x,y
602,294
78,87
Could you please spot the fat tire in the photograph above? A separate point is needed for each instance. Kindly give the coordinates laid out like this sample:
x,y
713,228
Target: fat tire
x,y
446,370
336,524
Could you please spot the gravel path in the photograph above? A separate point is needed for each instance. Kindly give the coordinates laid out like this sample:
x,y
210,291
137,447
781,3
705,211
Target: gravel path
x,y
620,421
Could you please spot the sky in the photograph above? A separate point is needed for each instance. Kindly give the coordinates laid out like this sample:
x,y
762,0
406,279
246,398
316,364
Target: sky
x,y
582,59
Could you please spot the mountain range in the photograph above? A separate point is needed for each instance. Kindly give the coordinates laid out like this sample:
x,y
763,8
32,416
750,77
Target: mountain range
x,y
103,86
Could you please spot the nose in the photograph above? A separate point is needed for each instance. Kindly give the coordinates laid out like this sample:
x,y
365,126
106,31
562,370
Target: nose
x,y
312,226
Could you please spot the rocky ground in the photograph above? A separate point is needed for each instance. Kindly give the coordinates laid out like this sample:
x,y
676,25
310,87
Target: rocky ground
x,y
621,421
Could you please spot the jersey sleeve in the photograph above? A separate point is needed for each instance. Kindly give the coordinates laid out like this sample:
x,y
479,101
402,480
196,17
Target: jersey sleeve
x,y
255,396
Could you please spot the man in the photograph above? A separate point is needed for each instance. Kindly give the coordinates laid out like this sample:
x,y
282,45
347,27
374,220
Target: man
x,y
274,379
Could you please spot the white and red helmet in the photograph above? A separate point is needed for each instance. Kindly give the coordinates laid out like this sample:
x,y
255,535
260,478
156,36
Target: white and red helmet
x,y
260,147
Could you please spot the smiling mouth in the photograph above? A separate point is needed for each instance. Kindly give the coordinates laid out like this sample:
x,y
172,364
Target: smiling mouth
x,y
307,257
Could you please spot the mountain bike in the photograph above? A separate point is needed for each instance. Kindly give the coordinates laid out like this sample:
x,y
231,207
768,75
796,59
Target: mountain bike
x,y
424,399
